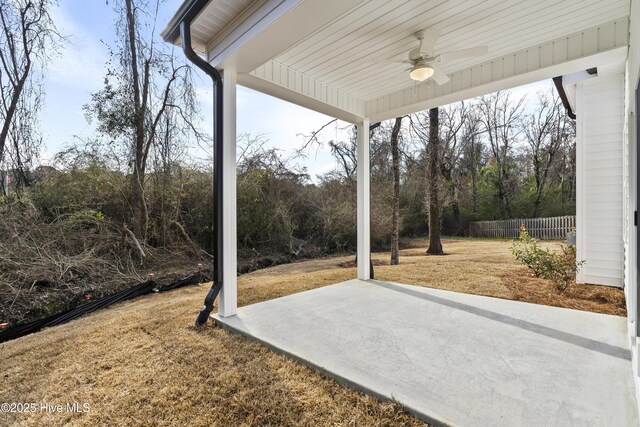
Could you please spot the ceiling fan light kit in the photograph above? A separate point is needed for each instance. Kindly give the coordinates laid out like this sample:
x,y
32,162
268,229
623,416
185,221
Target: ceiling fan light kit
x,y
423,59
421,73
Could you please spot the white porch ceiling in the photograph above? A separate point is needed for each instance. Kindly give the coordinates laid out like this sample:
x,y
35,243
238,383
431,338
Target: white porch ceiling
x,y
333,55
349,53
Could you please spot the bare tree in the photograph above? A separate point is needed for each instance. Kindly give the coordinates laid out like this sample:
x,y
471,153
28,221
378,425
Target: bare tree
x,y
546,129
473,156
453,140
345,154
435,209
28,38
568,168
500,115
432,144
147,97
343,151
395,216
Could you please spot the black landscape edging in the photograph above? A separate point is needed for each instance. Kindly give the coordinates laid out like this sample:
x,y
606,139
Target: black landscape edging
x,y
140,289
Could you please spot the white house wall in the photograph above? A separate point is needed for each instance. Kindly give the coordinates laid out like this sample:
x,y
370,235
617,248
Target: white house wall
x,y
629,207
631,139
600,174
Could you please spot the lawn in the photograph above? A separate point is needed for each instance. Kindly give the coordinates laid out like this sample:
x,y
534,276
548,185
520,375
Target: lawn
x,y
143,362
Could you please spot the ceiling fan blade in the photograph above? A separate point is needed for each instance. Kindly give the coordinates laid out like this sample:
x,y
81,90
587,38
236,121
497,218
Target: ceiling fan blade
x,y
463,53
386,62
431,36
438,76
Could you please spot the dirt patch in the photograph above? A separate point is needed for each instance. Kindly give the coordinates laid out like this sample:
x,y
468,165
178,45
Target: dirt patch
x,y
425,254
352,263
599,299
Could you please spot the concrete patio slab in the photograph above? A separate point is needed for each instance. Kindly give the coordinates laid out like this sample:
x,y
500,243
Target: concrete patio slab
x,y
456,359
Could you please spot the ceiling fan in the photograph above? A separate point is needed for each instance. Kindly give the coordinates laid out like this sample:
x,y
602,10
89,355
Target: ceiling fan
x,y
424,61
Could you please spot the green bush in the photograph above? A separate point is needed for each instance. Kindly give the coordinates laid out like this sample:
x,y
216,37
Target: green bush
x,y
559,267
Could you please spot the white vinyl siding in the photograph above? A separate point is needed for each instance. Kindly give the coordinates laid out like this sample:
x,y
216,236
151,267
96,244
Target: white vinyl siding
x,y
600,169
631,271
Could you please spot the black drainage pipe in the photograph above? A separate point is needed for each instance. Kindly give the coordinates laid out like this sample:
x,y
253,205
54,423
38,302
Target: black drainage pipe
x,y
218,276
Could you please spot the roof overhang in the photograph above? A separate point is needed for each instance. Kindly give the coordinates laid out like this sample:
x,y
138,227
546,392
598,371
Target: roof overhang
x,y
566,87
332,55
567,84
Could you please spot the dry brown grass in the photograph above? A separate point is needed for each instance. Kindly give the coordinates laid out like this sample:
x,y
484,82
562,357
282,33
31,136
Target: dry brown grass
x,y
486,267
143,363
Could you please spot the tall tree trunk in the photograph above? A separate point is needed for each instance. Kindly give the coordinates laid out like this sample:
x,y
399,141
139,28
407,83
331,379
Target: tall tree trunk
x,y
505,205
11,110
562,191
395,217
139,99
474,176
28,39
537,202
474,190
536,206
435,245
457,216
538,197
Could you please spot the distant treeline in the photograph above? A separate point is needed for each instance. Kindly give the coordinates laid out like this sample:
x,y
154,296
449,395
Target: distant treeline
x,y
69,231
283,213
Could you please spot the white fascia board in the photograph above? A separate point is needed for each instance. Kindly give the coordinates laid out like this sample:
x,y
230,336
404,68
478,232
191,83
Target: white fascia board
x,y
265,31
568,79
299,98
599,46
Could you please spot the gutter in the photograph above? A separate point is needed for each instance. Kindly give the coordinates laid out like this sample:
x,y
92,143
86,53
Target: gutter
x,y
182,22
557,81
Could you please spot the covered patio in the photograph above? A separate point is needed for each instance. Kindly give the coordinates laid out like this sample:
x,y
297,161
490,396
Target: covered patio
x,y
455,359
449,358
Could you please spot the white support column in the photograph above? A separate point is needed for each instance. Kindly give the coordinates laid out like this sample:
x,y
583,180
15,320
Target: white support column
x,y
228,301
581,233
363,176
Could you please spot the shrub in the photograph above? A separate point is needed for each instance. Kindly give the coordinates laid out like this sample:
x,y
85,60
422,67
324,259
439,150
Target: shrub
x,y
559,267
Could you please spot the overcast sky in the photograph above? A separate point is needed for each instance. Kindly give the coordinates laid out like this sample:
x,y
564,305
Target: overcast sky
x,y
80,70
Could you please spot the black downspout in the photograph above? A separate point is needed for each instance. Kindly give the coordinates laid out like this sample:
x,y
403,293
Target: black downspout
x,y
218,276
557,81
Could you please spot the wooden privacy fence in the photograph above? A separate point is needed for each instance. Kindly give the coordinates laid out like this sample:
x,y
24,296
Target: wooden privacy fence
x,y
553,228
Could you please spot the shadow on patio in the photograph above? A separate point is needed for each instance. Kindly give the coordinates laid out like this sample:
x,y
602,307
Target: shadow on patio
x,y
454,358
